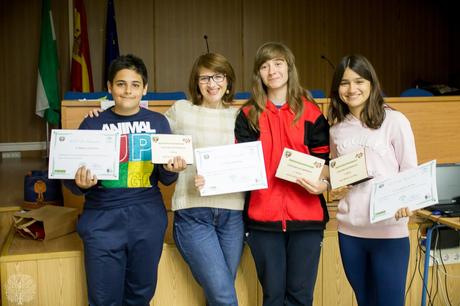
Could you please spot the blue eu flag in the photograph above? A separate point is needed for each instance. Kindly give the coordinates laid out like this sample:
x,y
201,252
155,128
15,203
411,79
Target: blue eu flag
x,y
112,50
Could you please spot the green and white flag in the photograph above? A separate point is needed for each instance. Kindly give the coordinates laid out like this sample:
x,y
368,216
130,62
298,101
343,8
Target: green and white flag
x,y
48,104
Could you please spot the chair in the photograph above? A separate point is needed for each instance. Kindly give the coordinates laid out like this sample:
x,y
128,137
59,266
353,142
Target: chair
x,y
175,95
416,92
103,95
318,93
242,95
76,95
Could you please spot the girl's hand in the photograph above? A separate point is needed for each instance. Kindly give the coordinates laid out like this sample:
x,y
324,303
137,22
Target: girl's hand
x,y
177,164
199,182
94,113
84,179
312,187
339,193
403,213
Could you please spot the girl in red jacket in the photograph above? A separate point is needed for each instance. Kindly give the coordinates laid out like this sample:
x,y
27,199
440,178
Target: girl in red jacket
x,y
286,221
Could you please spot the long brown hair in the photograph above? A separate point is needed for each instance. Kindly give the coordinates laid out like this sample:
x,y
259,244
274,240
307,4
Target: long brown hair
x,y
214,62
258,101
373,112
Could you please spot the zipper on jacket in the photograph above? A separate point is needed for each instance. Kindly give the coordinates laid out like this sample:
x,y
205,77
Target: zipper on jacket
x,y
283,217
281,140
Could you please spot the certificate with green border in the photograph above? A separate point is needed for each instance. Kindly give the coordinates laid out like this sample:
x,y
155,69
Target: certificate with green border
x,y
98,151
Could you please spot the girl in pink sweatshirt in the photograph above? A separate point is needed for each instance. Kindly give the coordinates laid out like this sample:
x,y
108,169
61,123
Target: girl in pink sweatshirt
x,y
375,256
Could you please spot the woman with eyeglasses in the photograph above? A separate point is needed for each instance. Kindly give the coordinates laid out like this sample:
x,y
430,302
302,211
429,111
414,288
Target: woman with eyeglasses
x,y
208,231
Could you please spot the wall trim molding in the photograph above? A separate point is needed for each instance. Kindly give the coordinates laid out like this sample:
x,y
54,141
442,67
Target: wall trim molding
x,y
22,146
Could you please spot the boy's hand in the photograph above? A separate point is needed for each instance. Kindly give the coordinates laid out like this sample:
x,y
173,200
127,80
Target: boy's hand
x,y
84,179
177,164
94,112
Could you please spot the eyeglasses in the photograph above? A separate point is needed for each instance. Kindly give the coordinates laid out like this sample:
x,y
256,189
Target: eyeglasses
x,y
218,78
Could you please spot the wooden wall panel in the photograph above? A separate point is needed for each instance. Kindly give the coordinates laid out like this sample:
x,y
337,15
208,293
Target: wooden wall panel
x,y
18,76
135,24
423,51
179,30
298,24
20,26
135,34
96,18
405,40
368,28
445,147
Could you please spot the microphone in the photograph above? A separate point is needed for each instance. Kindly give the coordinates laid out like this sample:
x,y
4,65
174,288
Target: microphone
x,y
323,57
206,40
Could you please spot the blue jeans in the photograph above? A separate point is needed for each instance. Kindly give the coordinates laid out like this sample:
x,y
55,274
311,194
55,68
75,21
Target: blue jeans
x,y
211,242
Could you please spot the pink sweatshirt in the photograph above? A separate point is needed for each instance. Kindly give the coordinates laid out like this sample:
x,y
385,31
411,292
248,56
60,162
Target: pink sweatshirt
x,y
389,150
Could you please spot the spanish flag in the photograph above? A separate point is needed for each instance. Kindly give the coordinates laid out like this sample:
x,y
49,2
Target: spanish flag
x,y
81,75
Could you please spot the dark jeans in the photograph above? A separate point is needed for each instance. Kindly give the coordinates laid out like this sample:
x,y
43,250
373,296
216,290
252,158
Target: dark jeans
x,y
122,251
287,265
376,269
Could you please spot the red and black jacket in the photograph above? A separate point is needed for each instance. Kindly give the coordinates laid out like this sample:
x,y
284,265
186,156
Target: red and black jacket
x,y
285,206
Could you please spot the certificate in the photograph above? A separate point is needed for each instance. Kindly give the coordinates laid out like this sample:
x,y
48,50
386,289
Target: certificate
x,y
99,151
167,146
414,188
349,169
231,168
294,165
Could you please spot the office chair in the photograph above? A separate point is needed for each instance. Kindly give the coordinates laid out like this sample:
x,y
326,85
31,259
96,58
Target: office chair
x,y
175,95
416,92
242,95
317,93
103,95
76,95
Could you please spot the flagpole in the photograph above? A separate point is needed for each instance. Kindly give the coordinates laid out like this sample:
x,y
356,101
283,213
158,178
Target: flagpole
x,y
47,141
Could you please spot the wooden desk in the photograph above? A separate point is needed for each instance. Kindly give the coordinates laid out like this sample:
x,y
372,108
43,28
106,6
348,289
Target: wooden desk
x,y
54,274
438,221
452,222
43,272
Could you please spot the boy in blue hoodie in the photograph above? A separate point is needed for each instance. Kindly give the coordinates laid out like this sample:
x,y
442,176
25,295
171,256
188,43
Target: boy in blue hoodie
x,y
124,221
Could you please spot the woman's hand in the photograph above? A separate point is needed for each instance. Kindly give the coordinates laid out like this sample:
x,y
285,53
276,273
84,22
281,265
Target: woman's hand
x,y
199,182
403,212
84,179
176,164
94,113
313,187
